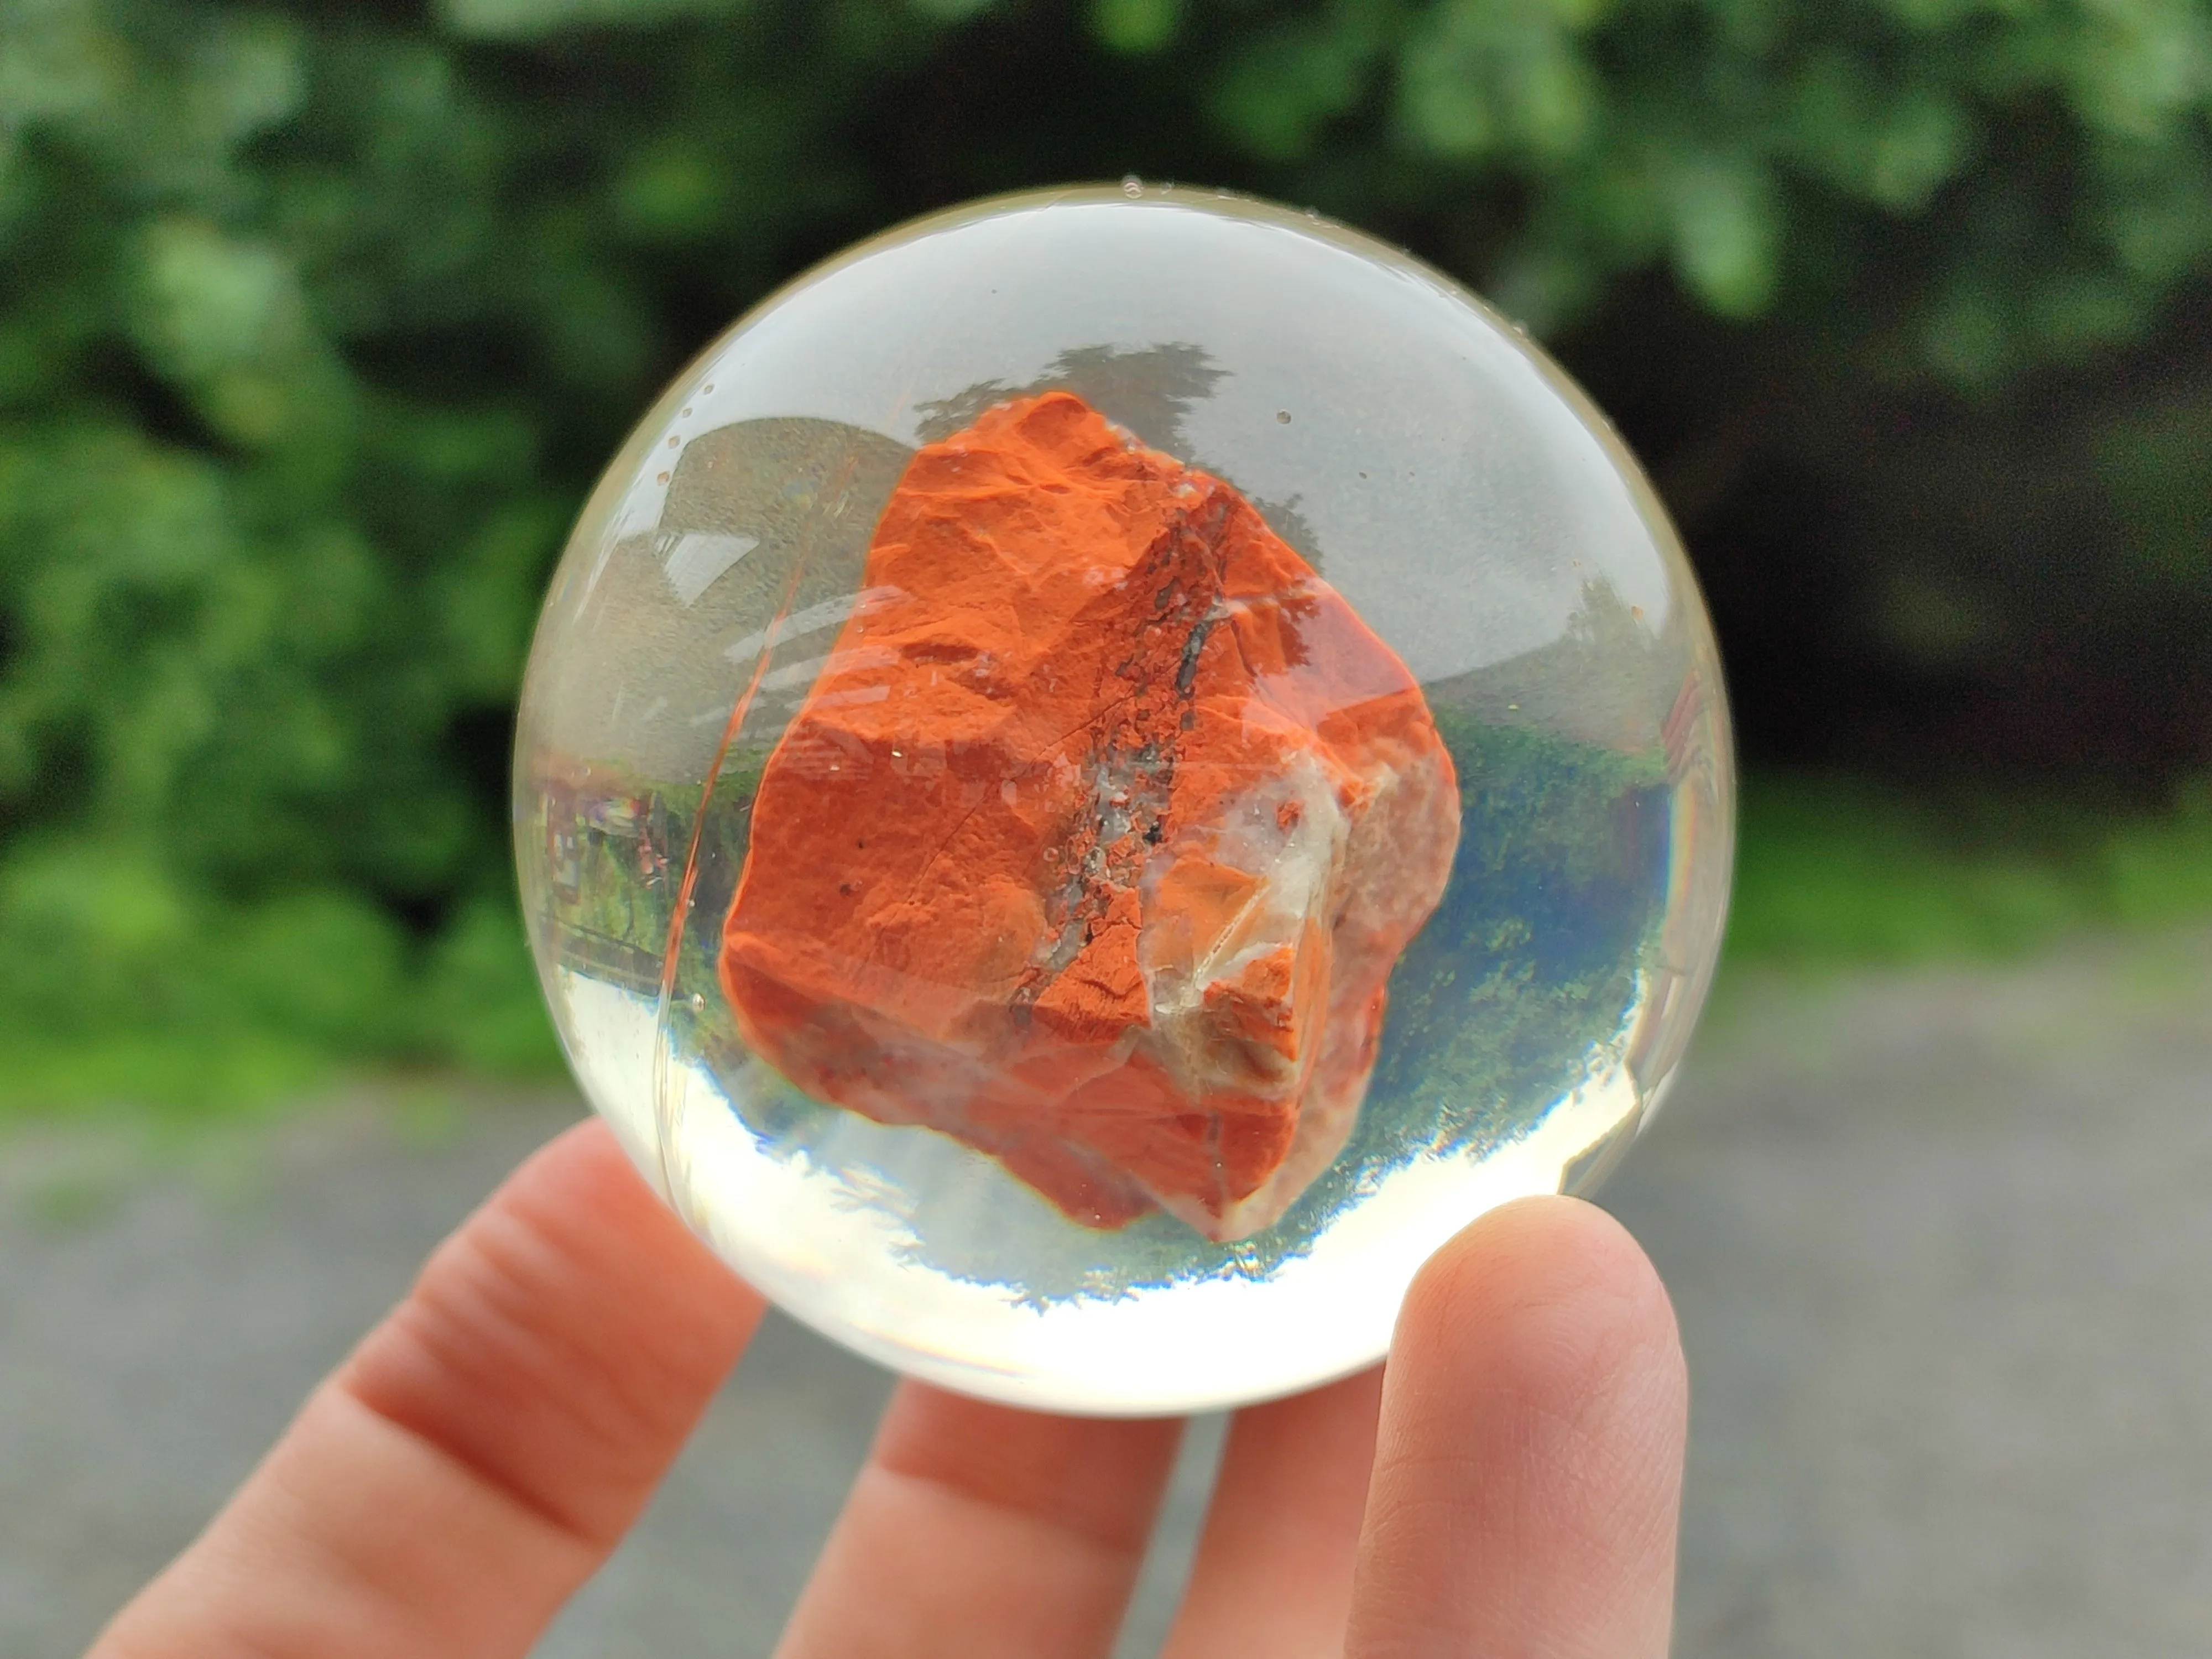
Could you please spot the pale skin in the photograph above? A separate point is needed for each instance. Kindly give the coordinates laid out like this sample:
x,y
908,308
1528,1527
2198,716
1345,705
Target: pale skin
x,y
1506,1487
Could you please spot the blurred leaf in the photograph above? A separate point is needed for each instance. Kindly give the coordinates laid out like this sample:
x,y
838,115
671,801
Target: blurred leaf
x,y
483,995
488,596
2139,65
1966,338
1135,27
672,191
1479,75
2161,871
58,63
327,967
1726,232
1894,146
949,11
226,320
1933,624
92,935
522,19
250,75
2156,466
1284,85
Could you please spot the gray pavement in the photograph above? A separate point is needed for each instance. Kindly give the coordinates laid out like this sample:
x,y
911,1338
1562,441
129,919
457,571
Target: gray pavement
x,y
1941,1245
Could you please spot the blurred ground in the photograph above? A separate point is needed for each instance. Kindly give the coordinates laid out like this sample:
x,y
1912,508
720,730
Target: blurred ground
x,y
1941,1242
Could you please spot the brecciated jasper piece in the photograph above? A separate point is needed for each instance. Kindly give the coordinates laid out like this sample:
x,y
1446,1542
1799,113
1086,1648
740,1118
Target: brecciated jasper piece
x,y
1098,836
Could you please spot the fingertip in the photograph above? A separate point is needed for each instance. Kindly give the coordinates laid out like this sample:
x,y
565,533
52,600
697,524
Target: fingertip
x,y
1529,1465
583,1170
1554,1288
458,1477
581,1184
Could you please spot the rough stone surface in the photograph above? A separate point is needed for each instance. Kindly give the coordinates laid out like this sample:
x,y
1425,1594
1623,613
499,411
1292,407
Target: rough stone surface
x,y
1099,835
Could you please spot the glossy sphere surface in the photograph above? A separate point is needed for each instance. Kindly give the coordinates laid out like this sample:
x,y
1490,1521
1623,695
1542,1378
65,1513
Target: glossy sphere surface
x,y
1105,771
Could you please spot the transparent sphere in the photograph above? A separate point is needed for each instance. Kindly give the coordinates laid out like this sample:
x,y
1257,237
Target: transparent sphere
x,y
1105,771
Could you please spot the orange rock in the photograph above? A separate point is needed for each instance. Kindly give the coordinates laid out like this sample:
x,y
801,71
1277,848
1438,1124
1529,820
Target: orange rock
x,y
1098,836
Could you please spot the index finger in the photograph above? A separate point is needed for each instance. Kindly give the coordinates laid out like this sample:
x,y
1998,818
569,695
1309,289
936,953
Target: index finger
x,y
1528,1470
456,1479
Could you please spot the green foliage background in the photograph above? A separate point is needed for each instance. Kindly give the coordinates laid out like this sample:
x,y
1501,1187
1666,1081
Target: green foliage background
x,y
317,319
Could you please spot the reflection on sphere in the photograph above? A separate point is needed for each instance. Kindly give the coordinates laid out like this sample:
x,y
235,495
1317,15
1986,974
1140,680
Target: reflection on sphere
x,y
1103,774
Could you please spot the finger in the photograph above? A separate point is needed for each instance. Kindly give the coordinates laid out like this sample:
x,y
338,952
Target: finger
x,y
455,1480
1527,1469
985,1533
1273,1575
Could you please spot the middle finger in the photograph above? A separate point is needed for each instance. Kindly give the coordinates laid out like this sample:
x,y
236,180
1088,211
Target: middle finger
x,y
986,1532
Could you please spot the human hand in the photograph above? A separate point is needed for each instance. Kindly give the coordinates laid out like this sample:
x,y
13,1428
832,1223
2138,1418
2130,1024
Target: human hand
x,y
1508,1487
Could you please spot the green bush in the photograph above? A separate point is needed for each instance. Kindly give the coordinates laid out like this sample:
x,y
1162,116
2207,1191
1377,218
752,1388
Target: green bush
x,y
315,322
2162,869
1843,871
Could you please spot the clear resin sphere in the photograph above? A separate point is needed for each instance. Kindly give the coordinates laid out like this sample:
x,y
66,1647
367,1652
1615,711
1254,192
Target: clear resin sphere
x,y
1104,772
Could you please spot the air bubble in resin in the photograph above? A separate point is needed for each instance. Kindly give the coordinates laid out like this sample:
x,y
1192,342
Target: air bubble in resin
x,y
1074,881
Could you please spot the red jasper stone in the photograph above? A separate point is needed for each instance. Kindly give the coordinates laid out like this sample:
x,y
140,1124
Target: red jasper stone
x,y
1098,836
